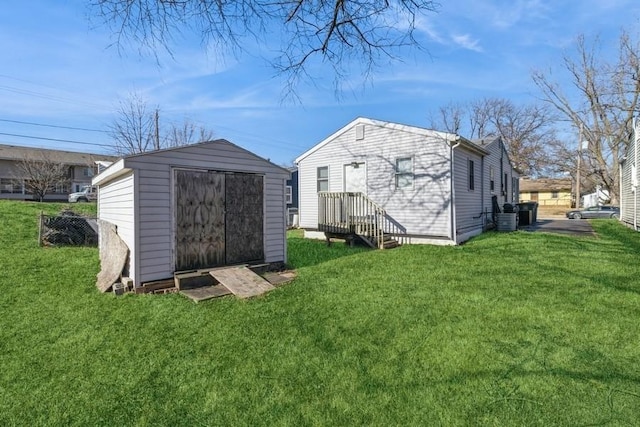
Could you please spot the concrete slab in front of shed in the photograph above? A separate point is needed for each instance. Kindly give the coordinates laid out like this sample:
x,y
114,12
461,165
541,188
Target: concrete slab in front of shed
x,y
243,282
206,292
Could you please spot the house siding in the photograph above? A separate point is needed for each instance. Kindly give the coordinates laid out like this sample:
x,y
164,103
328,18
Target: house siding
x,y
468,202
154,205
422,209
629,203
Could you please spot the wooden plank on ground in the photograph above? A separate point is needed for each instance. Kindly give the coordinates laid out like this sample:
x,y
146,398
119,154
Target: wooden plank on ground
x,y
243,282
206,292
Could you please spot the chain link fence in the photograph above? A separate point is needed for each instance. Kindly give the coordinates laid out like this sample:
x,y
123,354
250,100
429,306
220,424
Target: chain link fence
x,y
68,229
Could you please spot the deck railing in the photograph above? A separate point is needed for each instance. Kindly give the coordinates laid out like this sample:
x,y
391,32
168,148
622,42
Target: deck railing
x,y
355,213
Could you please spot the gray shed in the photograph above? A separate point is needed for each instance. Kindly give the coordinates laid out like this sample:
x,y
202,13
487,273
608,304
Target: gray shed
x,y
193,207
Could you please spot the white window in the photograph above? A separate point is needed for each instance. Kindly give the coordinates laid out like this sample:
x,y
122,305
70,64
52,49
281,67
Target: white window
x,y
323,178
88,172
404,172
288,198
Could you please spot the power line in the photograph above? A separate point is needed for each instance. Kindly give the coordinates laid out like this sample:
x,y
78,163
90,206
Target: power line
x,y
55,139
52,126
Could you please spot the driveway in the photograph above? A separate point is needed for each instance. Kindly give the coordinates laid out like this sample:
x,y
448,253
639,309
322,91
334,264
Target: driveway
x,y
572,227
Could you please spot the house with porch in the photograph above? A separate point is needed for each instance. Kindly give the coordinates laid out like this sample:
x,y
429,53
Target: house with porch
x,y
383,182
81,167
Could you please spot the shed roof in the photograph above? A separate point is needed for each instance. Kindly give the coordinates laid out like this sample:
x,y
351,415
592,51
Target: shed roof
x,y
545,184
121,165
14,152
450,137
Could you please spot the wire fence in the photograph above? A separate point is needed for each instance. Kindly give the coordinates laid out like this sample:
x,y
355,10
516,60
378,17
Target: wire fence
x,y
68,229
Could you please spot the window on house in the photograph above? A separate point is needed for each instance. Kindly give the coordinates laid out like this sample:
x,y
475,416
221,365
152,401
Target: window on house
x,y
323,178
505,184
492,179
554,194
10,186
288,198
88,172
404,172
472,176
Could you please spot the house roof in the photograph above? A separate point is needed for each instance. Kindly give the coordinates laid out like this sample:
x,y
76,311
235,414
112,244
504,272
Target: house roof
x,y
450,137
493,140
545,184
14,152
120,167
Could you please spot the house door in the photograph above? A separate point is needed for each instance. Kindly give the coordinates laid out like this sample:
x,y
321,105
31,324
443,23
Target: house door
x,y
355,178
534,196
218,221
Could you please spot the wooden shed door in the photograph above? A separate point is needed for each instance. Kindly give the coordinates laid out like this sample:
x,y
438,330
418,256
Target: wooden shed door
x,y
244,225
217,217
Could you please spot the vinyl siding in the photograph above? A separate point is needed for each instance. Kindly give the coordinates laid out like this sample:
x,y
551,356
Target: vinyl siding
x,y
422,209
116,205
498,158
154,175
468,203
629,205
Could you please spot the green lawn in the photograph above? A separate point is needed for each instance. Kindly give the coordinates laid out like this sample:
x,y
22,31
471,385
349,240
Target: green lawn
x,y
509,329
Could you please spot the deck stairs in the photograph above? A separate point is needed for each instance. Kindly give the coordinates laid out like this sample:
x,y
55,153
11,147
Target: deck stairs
x,y
354,217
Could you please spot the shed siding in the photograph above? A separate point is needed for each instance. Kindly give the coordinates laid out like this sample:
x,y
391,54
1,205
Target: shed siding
x,y
116,205
422,209
154,172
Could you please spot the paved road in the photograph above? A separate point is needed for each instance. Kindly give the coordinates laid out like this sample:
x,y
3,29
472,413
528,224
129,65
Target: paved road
x,y
573,227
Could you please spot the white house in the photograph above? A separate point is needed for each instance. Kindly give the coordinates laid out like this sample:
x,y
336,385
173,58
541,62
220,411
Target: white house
x,y
629,200
417,185
197,206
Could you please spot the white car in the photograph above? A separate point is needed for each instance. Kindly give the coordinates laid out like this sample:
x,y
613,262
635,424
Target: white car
x,y
88,193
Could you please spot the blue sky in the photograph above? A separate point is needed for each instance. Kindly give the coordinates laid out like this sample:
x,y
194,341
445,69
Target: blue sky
x,y
57,68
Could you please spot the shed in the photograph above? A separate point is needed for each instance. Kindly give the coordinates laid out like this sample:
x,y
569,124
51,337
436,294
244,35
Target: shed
x,y
193,207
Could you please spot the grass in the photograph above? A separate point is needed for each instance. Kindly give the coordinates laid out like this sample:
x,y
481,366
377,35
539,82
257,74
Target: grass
x,y
508,329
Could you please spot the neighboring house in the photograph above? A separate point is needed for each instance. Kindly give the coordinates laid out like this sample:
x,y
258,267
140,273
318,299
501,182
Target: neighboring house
x,y
629,200
291,198
375,179
193,207
82,168
547,191
600,196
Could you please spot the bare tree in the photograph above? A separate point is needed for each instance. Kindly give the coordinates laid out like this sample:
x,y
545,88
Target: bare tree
x,y
606,101
187,133
41,174
134,130
137,129
527,130
338,32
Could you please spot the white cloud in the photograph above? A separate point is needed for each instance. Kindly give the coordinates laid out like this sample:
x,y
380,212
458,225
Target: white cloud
x,y
465,41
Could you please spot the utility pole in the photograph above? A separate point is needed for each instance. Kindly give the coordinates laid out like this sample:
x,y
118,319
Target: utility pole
x,y
157,135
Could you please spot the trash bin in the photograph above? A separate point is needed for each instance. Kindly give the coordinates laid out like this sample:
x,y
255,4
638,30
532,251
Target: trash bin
x,y
525,216
528,212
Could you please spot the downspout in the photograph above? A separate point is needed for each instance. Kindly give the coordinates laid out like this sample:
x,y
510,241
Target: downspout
x,y
452,203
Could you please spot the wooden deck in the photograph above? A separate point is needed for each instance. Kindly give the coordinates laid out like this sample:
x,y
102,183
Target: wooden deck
x,y
353,216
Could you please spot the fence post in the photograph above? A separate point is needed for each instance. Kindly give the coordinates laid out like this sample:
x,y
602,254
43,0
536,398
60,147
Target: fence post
x,y
40,228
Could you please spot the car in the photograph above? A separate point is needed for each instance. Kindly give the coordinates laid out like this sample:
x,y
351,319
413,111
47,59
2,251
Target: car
x,y
595,212
87,193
